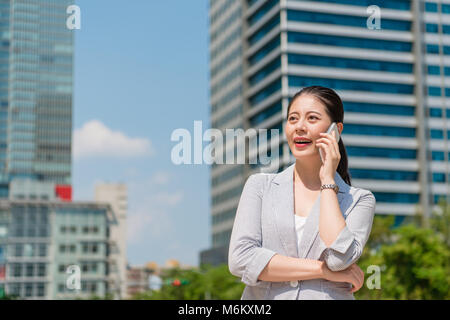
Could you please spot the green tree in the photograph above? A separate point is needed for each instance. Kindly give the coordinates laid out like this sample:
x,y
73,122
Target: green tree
x,y
413,259
206,282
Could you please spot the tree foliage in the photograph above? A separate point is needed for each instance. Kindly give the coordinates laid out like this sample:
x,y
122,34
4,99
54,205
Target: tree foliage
x,y
202,283
414,260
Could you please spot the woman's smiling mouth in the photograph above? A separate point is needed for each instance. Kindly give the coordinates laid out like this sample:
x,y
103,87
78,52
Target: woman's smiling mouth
x,y
301,142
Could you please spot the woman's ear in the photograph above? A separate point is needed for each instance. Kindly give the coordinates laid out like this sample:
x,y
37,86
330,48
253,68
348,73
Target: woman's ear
x,y
340,126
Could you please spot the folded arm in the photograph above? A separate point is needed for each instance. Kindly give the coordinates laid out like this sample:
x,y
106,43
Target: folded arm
x,y
348,246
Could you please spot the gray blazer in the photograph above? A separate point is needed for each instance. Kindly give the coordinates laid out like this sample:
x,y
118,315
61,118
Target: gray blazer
x,y
264,225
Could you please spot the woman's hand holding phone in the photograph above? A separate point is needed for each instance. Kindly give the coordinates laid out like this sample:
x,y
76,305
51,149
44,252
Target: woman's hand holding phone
x,y
328,144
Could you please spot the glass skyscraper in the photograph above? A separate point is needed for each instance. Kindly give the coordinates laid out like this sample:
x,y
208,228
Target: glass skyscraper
x,y
36,64
392,80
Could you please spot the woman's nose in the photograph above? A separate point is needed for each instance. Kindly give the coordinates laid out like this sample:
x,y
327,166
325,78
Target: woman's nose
x,y
300,125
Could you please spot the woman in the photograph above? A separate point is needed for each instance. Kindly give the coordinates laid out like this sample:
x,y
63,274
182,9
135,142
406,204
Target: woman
x,y
290,239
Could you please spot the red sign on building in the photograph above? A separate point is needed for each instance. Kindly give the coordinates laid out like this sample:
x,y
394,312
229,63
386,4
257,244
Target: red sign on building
x,y
64,192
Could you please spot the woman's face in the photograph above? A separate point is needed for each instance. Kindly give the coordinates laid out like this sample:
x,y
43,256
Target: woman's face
x,y
307,118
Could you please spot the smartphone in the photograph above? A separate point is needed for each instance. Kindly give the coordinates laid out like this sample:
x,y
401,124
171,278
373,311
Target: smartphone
x,y
331,128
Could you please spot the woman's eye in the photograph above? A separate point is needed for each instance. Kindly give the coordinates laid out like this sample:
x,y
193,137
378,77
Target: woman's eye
x,y
292,118
313,117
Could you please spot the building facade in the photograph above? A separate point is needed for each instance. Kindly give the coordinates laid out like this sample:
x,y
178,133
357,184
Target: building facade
x,y
44,243
138,279
227,103
115,194
392,81
36,63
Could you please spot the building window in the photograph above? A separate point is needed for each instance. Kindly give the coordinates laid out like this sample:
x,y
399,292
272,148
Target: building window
x,y
14,289
41,290
89,267
28,250
90,248
31,232
18,250
29,270
43,231
17,270
89,287
42,250
41,270
28,289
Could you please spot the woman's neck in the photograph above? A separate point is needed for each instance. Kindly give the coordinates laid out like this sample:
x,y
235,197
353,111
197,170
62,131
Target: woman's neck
x,y
307,174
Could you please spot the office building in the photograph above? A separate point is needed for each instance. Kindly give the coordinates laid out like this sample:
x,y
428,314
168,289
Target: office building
x,y
43,242
115,194
138,279
36,67
392,80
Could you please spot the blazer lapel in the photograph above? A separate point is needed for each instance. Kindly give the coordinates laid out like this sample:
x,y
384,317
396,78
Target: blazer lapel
x,y
283,209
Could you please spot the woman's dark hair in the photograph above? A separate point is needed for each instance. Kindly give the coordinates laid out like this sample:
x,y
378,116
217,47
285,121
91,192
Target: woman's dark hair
x,y
335,110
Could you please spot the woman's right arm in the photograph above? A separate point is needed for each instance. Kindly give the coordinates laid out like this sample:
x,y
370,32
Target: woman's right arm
x,y
283,268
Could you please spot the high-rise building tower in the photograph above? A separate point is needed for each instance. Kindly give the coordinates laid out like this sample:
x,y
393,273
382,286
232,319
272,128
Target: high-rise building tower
x,y
36,66
392,80
227,103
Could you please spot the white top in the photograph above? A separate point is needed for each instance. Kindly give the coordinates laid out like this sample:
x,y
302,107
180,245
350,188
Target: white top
x,y
299,226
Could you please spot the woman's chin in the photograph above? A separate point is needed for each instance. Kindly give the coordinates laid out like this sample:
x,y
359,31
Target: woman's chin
x,y
302,155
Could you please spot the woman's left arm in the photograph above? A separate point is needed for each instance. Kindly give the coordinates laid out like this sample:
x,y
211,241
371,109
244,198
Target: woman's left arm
x,y
342,240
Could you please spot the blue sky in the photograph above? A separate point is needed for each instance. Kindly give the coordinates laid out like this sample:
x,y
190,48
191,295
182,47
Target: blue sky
x,y
141,71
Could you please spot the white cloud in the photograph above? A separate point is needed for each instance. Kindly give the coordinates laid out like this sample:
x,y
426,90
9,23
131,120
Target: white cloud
x,y
94,139
151,215
168,199
151,218
145,223
160,178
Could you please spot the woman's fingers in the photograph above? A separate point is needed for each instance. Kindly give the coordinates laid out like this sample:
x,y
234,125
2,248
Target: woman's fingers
x,y
326,150
359,272
335,143
360,284
332,143
325,141
358,278
352,278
